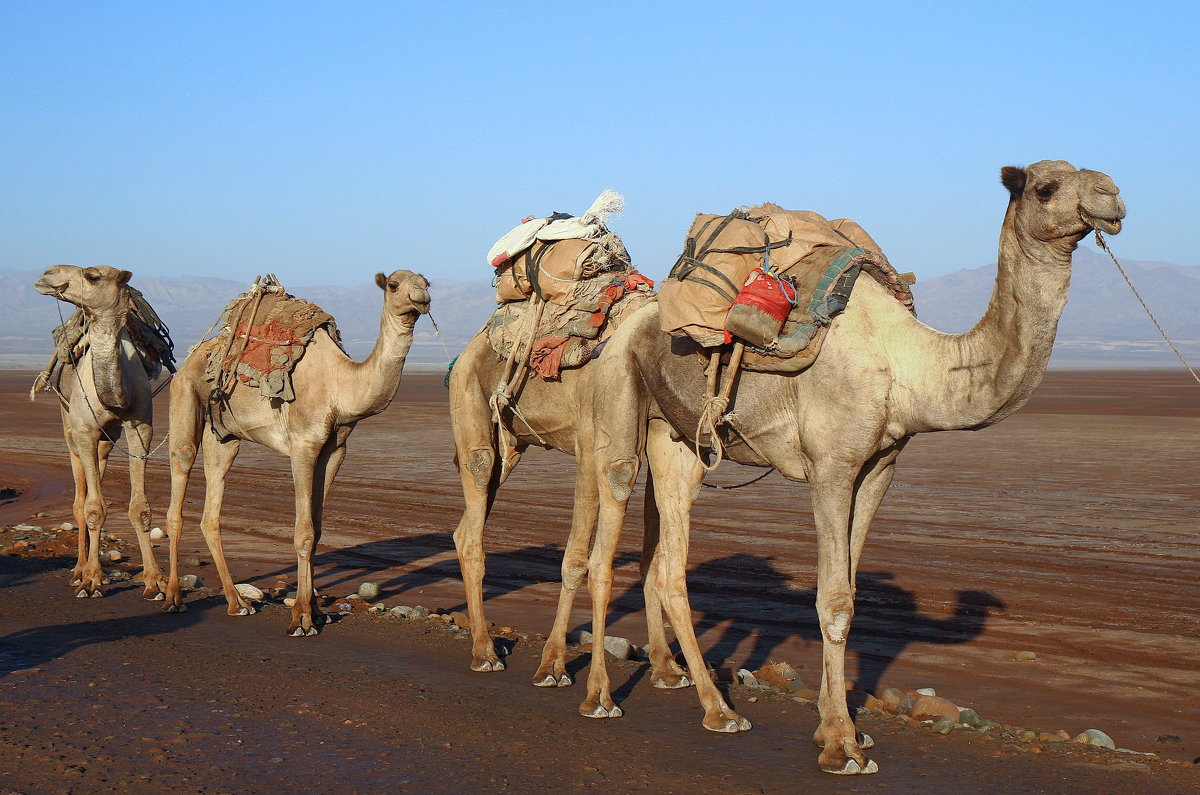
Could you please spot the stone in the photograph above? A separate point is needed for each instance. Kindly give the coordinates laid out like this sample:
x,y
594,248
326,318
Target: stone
x,y
618,647
461,620
191,561
248,591
1168,738
421,611
189,581
986,726
289,601
27,528
776,675
157,534
353,596
579,638
968,717
1028,735
934,707
1025,656
114,555
944,725
66,527
926,691
897,701
1094,737
746,677
1050,737
368,590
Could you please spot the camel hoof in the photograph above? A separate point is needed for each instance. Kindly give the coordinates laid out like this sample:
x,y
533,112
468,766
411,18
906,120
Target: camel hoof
x,y
865,742
158,597
96,594
244,611
731,726
76,581
488,665
601,712
175,609
853,768
550,680
676,682
82,594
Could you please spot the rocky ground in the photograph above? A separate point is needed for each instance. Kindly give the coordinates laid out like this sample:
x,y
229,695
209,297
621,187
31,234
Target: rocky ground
x,y
1023,590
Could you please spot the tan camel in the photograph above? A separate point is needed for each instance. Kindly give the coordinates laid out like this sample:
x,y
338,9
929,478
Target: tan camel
x,y
882,377
105,390
555,414
333,393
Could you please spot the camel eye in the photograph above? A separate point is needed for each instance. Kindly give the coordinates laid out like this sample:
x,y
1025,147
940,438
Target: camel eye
x,y
1046,191
91,277
393,286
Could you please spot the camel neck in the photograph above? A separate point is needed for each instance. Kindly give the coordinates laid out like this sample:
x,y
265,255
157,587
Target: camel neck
x,y
978,378
374,380
104,345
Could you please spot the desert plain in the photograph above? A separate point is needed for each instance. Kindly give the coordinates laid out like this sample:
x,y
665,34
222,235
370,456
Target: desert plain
x,y
1071,530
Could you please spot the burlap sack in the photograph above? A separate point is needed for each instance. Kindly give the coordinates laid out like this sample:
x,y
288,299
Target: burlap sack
x,y
695,297
809,231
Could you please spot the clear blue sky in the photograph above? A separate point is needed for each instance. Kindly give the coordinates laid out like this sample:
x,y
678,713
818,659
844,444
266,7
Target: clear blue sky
x,y
327,141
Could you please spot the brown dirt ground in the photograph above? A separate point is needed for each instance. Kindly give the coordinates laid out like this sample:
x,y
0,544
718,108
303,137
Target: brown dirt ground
x,y
1068,530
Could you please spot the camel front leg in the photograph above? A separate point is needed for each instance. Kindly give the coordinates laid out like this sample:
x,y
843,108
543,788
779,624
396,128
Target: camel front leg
x,y
304,460
78,511
85,445
833,499
665,673
552,672
678,474
218,458
140,437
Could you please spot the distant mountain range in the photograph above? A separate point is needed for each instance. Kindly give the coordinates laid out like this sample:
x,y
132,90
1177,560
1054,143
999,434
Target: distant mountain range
x,y
1103,326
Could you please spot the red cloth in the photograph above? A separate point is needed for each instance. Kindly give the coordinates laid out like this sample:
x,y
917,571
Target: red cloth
x,y
546,357
767,293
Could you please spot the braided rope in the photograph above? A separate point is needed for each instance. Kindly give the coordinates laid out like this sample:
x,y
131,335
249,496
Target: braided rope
x,y
1103,245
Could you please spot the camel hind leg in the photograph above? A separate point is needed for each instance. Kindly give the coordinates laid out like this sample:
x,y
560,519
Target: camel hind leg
x,y
140,436
218,458
185,427
552,671
91,512
678,473
665,673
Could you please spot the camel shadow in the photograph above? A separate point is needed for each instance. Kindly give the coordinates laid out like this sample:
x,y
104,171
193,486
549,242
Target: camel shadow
x,y
28,648
740,599
507,572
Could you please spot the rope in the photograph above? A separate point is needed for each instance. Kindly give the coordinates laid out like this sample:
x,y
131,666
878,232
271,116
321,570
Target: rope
x,y
715,405
740,485
515,369
1103,245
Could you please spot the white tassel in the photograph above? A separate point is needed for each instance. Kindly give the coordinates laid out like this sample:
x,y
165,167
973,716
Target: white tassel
x,y
607,205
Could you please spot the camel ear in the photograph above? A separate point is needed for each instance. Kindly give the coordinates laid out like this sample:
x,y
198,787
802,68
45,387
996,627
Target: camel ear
x,y
123,278
381,280
1013,178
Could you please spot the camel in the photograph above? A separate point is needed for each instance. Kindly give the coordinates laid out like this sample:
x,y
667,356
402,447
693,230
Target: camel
x,y
840,424
104,390
557,415
332,393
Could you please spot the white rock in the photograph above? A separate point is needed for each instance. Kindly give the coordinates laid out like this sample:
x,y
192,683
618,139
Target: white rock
x,y
289,601
746,677
248,591
1094,737
368,590
927,691
156,533
617,647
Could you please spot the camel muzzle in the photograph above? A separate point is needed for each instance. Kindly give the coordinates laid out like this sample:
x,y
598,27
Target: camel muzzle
x,y
47,288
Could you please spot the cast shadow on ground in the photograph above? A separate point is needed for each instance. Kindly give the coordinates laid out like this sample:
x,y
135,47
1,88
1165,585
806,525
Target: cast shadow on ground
x,y
28,648
742,597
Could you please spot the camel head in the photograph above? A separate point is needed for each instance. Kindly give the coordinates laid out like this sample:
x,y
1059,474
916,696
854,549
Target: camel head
x,y
1052,200
404,293
98,290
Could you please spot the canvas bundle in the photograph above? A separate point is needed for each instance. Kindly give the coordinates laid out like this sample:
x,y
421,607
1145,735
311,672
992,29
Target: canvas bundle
x,y
273,330
735,273
555,269
149,335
